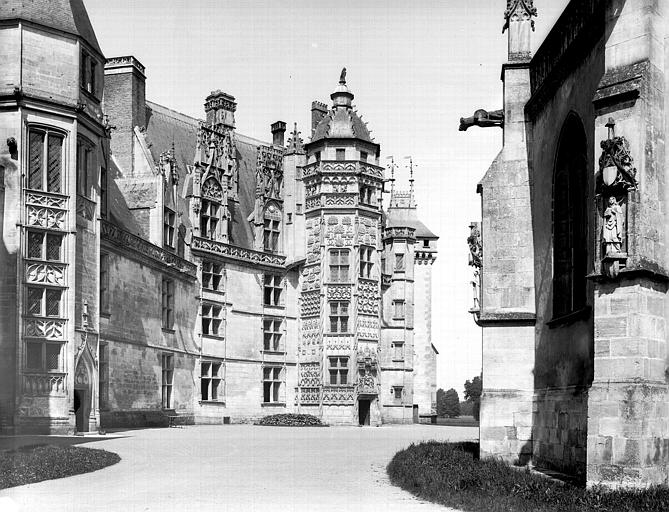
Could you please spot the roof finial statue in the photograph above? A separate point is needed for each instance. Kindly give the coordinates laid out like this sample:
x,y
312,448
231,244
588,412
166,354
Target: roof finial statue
x,y
342,77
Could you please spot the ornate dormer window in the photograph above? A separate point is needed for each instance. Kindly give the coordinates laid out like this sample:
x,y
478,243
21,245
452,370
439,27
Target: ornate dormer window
x,y
272,229
210,212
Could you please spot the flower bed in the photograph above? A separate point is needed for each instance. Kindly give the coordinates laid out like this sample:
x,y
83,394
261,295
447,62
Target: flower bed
x,y
291,420
35,463
452,474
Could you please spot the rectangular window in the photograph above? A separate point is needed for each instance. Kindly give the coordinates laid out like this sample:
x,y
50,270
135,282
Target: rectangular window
x,y
341,154
104,282
339,265
398,309
168,303
45,160
272,334
209,217
169,223
363,156
167,363
398,391
338,370
103,193
271,235
84,166
43,356
211,319
367,195
366,264
272,381
339,316
399,262
88,73
397,349
210,380
272,290
43,301
317,154
44,246
212,275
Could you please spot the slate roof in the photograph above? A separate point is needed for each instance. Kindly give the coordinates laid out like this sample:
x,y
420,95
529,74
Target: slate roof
x,y
166,126
341,124
67,15
408,217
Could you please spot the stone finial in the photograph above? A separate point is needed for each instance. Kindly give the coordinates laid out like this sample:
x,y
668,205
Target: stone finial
x,y
342,76
295,143
519,20
519,10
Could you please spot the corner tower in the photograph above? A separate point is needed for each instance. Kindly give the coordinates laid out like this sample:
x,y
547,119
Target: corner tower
x,y
340,306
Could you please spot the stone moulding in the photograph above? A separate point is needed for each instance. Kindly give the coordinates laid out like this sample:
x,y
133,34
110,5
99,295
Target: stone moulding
x,y
45,384
346,167
238,253
408,233
338,395
125,240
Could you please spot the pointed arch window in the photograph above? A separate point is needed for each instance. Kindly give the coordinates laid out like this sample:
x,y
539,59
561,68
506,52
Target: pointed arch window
x,y
210,212
569,220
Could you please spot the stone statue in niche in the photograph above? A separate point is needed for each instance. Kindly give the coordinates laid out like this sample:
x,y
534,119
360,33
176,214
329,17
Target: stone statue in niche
x,y
613,229
615,180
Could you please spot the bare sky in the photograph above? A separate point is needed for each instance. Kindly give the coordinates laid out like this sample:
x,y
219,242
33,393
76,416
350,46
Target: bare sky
x,y
415,68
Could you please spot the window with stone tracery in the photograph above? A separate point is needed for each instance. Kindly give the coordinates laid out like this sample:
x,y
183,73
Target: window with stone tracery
x,y
366,264
338,371
43,356
339,316
44,246
339,265
210,210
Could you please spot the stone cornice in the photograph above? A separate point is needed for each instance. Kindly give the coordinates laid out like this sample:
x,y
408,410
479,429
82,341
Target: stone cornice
x,y
400,232
238,253
497,318
136,246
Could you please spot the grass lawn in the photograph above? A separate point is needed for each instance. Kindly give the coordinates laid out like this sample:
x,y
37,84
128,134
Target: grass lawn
x,y
35,463
452,475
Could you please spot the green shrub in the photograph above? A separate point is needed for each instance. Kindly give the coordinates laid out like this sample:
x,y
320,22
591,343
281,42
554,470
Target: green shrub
x,y
452,474
291,420
35,463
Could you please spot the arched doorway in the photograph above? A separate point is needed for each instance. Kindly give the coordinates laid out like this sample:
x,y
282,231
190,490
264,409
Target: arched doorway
x,y
83,392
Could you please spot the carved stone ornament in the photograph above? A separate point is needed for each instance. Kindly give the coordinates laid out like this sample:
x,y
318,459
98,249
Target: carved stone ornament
x,y
475,260
519,10
616,166
483,118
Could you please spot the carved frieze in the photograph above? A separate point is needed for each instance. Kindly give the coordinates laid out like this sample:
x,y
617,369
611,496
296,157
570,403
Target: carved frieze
x,y
212,190
46,217
123,239
368,297
311,278
408,233
340,199
308,395
46,200
338,343
339,231
368,327
339,292
311,304
311,329
338,395
310,374
44,384
49,329
367,231
238,253
45,273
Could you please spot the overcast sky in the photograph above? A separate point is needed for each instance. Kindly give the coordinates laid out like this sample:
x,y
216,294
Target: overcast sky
x,y
415,68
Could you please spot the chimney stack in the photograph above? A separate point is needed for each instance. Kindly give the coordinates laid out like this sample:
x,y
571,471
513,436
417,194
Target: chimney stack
x,y
220,108
318,111
278,132
125,104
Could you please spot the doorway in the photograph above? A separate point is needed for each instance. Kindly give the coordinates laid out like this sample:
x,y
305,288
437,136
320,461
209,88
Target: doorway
x,y
363,412
81,411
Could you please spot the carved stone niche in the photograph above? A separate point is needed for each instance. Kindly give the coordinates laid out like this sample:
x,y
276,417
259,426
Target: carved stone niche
x,y
615,180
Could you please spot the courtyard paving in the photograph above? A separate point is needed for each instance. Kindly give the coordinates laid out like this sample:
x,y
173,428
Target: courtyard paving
x,y
237,467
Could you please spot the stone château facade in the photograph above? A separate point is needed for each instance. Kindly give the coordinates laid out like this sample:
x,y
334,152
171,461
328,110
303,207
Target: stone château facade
x,y
573,267
158,265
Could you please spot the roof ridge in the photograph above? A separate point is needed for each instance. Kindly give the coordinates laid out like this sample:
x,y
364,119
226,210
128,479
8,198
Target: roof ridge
x,y
179,116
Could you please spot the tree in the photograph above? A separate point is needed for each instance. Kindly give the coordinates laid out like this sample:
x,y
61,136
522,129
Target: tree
x,y
441,404
452,403
473,390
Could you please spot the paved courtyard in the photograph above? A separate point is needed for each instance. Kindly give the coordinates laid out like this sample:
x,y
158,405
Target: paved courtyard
x,y
238,467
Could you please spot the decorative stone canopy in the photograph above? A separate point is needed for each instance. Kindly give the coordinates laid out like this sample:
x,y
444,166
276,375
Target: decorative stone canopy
x,y
341,122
